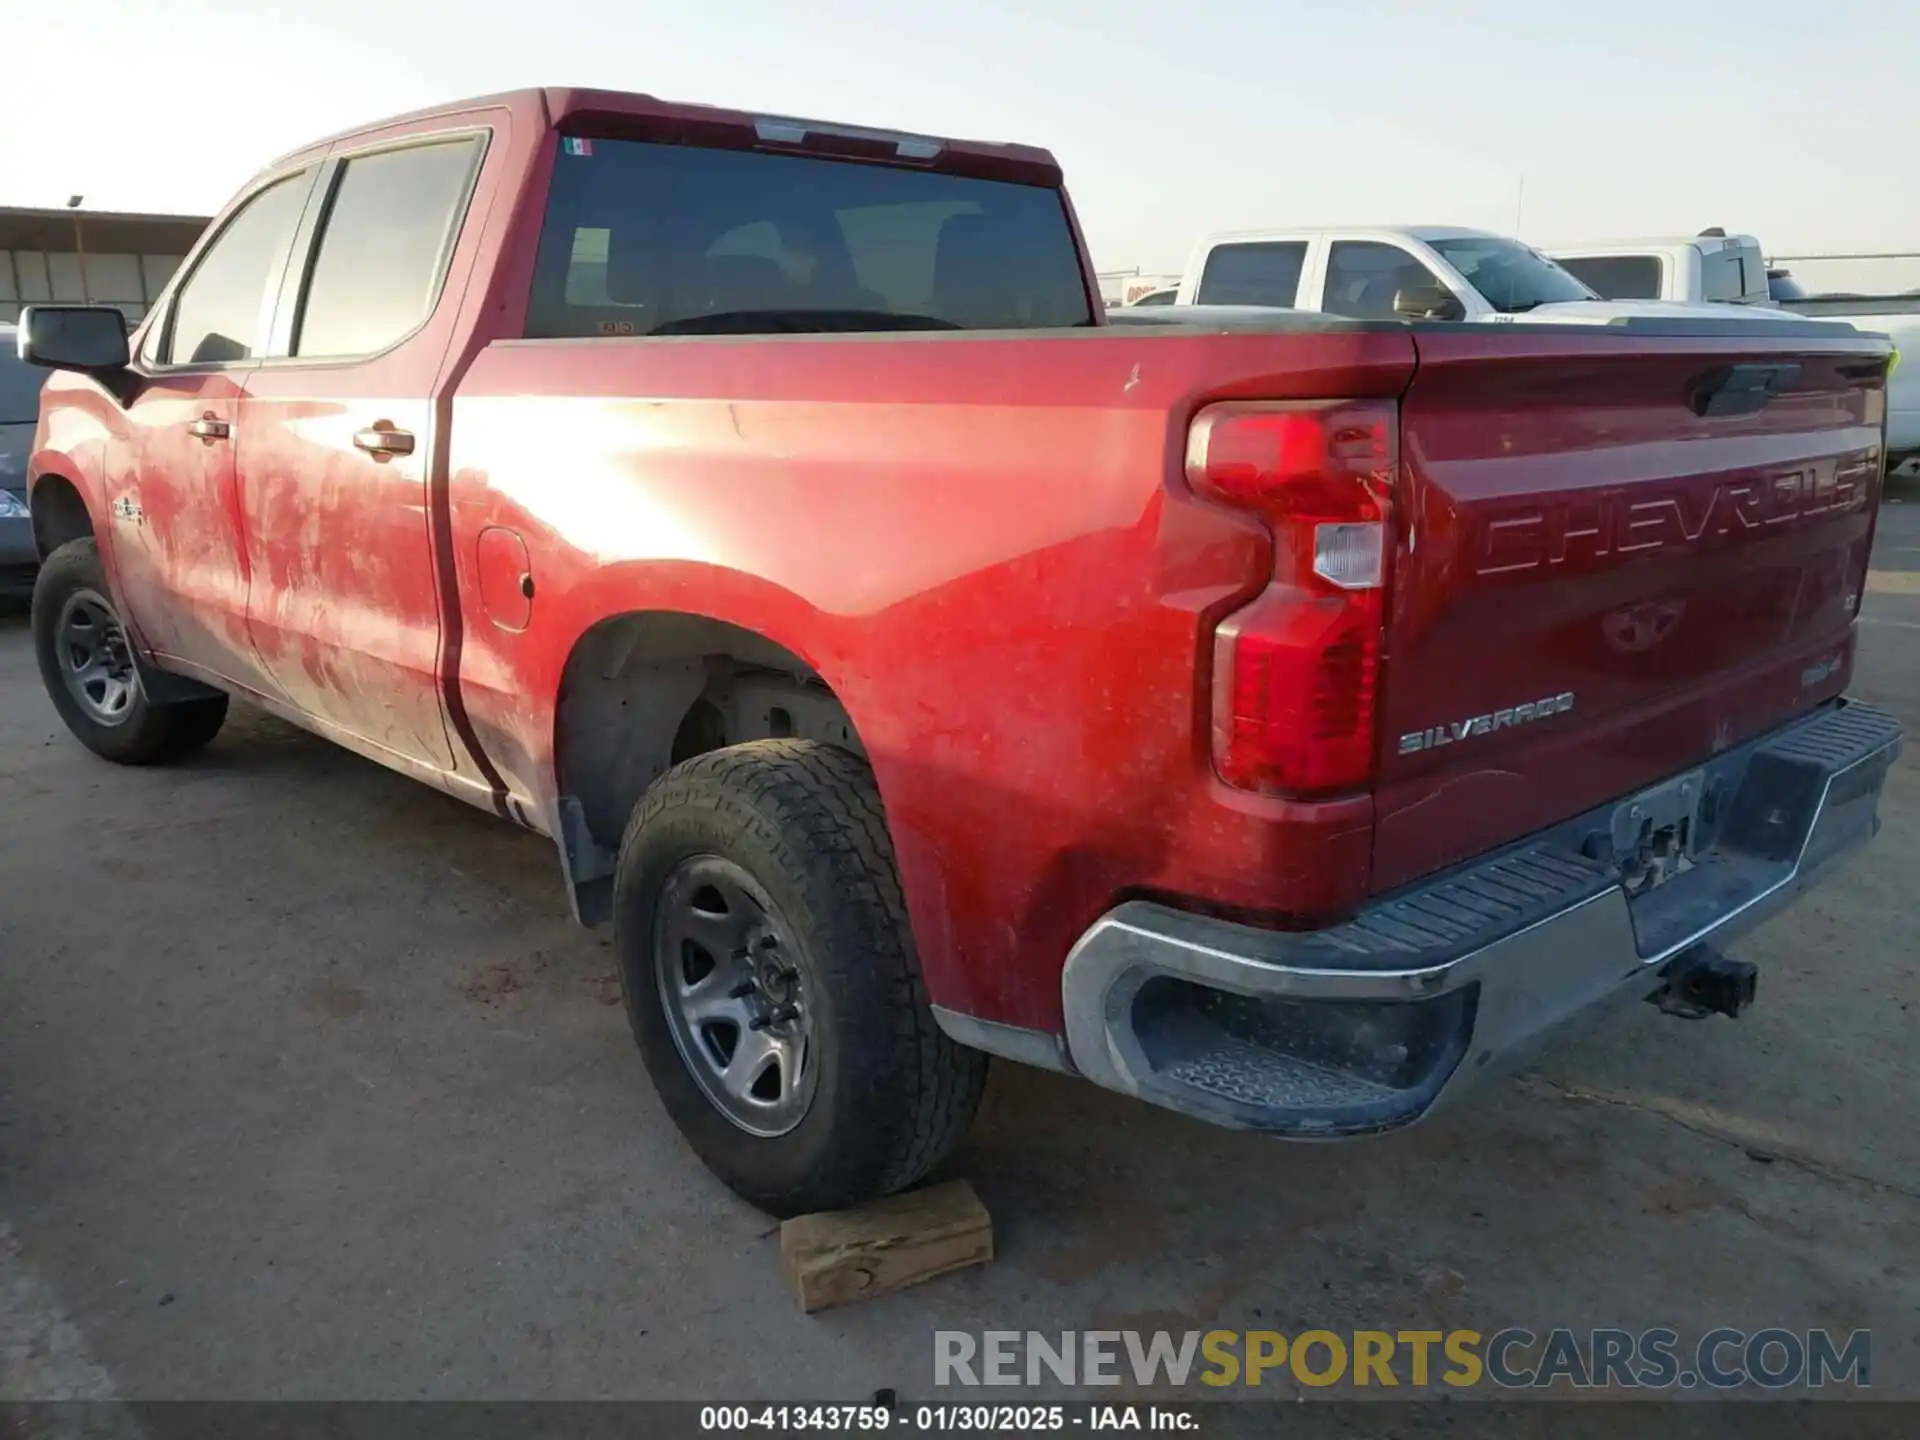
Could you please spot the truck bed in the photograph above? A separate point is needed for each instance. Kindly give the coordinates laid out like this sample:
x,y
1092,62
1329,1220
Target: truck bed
x,y
984,545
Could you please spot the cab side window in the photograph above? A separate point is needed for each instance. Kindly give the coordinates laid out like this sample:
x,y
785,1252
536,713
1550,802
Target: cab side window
x,y
217,314
383,249
1720,276
1257,272
1363,276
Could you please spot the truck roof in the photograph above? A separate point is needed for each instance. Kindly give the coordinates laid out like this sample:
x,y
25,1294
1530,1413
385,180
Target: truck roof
x,y
557,105
1417,232
1655,242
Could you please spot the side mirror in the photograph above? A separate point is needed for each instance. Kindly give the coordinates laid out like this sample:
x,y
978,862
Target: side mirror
x,y
1428,302
89,338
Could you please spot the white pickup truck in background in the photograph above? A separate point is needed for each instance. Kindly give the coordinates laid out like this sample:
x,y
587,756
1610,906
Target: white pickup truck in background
x,y
1712,267
1880,292
1446,272
1717,268
1416,272
1898,318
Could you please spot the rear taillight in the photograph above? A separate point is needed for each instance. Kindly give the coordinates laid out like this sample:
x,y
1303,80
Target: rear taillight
x,y
1296,671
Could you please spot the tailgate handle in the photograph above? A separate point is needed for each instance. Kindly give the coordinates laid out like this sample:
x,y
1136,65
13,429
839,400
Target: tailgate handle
x,y
1740,389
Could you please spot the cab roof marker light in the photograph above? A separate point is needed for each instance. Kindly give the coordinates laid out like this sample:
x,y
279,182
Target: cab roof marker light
x,y
782,130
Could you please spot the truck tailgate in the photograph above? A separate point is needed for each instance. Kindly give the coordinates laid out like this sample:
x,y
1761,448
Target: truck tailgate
x,y
1616,554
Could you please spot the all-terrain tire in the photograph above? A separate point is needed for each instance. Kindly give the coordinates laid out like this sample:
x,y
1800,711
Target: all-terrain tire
x,y
145,732
893,1094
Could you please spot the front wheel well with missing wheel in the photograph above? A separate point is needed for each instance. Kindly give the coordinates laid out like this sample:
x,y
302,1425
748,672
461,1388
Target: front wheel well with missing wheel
x,y
645,691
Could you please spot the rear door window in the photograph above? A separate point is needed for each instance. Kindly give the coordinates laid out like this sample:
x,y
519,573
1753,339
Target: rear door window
x,y
1721,277
1265,272
19,386
1617,277
389,229
649,239
1363,276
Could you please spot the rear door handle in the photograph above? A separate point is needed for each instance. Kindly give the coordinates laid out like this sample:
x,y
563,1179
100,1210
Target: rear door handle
x,y
381,440
209,427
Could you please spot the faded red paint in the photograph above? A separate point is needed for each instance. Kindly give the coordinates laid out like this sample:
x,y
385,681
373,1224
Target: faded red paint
x,y
985,544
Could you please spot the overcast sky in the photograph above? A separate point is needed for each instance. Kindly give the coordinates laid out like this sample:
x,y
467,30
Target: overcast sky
x,y
1171,117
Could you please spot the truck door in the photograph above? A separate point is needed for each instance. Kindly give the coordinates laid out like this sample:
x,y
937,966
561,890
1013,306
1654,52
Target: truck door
x,y
337,437
180,556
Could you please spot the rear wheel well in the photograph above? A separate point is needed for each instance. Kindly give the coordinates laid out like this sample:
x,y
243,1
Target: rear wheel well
x,y
59,514
643,692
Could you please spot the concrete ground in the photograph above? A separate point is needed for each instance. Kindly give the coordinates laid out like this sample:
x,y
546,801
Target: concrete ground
x,y
310,1088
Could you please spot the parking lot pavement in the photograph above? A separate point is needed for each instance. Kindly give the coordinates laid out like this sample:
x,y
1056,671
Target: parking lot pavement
x,y
309,1087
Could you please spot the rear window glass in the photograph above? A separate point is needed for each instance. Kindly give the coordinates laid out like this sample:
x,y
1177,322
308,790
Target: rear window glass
x,y
19,385
649,239
1721,276
1264,273
1616,277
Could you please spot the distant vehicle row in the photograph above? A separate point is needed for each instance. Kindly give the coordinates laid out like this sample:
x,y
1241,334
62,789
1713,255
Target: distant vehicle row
x,y
1442,272
1731,268
1424,272
1289,722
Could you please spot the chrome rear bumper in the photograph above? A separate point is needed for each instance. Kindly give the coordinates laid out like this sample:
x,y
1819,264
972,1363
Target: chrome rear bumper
x,y
1368,1025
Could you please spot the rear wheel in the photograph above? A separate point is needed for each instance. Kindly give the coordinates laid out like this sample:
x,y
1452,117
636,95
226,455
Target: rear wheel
x,y
88,667
771,981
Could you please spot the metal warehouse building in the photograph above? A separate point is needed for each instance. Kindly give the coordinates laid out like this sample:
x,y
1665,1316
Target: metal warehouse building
x,y
89,256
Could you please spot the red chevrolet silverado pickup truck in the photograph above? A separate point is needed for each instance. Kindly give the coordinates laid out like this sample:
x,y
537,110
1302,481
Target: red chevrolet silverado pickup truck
x,y
1283,719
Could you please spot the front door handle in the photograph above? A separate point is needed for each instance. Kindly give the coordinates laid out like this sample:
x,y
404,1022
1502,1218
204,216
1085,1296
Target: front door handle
x,y
381,440
209,427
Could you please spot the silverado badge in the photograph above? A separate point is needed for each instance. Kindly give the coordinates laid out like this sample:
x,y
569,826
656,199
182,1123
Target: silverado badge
x,y
1436,736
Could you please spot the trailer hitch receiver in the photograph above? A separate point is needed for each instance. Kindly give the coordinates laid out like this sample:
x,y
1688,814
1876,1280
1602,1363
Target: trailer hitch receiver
x,y
1704,982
